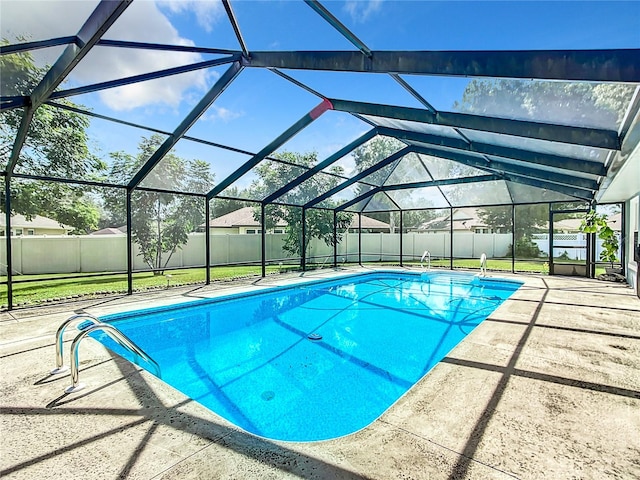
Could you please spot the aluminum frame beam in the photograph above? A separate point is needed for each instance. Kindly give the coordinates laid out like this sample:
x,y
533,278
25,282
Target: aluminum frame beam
x,y
365,173
498,166
614,65
519,178
13,102
223,82
528,156
236,27
166,47
413,92
441,182
322,165
27,46
429,183
143,77
339,26
565,190
294,129
104,15
590,137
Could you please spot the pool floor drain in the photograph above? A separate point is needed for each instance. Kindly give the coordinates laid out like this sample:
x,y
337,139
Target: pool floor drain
x,y
268,395
314,336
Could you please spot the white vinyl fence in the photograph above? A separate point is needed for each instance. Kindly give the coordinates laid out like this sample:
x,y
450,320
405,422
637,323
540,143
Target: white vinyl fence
x,y
572,243
108,253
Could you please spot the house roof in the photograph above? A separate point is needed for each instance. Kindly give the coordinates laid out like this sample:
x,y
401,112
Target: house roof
x,y
573,224
37,221
239,218
368,222
244,218
110,231
463,219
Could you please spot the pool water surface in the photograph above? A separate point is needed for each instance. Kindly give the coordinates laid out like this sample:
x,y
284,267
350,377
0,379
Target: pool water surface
x,y
313,361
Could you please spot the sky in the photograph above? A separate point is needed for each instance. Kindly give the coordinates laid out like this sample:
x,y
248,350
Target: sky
x,y
259,105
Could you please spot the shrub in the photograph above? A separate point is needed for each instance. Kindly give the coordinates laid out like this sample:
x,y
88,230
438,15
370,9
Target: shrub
x,y
526,248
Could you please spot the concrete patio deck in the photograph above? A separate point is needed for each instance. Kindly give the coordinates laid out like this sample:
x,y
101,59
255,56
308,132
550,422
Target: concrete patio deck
x,y
547,388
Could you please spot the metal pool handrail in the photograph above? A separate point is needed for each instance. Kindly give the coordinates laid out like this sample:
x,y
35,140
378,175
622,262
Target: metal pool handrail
x,y
60,368
113,332
483,265
427,254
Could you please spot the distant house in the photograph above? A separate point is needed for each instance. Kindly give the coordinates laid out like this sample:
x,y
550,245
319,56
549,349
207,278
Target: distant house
x,y
572,225
465,220
110,231
369,225
38,225
239,222
242,222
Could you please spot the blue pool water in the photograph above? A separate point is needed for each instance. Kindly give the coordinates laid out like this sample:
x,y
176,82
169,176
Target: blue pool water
x,y
250,358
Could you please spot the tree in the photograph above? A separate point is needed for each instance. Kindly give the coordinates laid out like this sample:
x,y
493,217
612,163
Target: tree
x,y
567,103
319,222
160,222
56,146
528,219
594,222
222,206
368,155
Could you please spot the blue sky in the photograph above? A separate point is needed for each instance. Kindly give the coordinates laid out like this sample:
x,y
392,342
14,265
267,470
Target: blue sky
x,y
259,105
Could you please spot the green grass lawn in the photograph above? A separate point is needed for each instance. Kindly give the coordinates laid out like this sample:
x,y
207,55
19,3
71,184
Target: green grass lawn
x,y
51,289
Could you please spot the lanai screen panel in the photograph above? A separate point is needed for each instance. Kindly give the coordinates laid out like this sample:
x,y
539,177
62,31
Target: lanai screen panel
x,y
18,81
258,116
361,87
305,30
526,194
20,24
193,167
581,104
419,198
327,134
150,22
253,111
484,193
367,155
582,152
8,128
409,169
101,150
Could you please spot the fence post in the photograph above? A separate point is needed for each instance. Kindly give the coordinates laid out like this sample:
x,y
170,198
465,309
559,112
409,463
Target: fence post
x,y
263,238
401,238
7,213
129,245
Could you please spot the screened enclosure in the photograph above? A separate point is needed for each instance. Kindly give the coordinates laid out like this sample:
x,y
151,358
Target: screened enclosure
x,y
156,151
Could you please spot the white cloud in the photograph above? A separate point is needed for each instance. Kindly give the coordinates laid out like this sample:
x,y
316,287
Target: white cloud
x,y
220,113
207,12
142,21
361,10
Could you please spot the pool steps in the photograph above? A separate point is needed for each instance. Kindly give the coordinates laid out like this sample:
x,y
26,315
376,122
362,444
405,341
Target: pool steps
x,y
96,325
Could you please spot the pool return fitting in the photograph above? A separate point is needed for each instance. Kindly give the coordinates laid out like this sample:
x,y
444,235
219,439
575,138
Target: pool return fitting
x,y
74,360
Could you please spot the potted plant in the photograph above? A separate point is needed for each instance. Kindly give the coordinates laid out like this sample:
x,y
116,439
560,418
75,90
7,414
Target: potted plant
x,y
597,223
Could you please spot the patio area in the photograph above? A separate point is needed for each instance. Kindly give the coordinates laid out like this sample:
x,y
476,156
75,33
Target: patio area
x,y
547,387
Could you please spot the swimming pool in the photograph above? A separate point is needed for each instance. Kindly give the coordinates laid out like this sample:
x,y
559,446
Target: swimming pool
x,y
313,361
